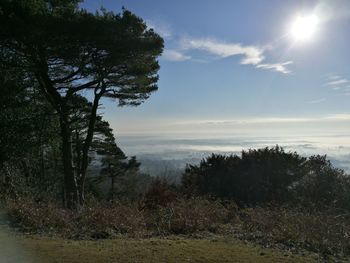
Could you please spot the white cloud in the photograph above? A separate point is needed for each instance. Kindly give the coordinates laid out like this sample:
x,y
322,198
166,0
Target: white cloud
x,y
337,82
316,101
251,54
174,55
279,67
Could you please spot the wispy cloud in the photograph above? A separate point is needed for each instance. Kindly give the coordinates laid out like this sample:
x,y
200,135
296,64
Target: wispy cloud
x,y
337,82
279,67
316,101
174,55
251,55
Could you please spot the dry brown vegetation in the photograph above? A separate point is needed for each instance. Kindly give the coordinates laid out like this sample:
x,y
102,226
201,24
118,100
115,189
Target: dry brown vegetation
x,y
325,232
322,232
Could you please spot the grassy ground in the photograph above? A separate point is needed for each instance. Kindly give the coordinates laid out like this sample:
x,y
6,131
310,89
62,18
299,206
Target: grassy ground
x,y
47,250
19,248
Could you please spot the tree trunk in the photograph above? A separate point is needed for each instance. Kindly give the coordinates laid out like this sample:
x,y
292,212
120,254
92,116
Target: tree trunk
x,y
71,189
111,175
78,149
112,187
86,147
70,194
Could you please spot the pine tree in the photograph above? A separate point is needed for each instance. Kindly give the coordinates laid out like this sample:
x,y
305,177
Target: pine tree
x,y
66,50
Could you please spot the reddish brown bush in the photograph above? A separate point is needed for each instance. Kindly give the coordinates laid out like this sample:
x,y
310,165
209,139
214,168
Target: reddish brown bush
x,y
184,216
94,221
159,193
39,217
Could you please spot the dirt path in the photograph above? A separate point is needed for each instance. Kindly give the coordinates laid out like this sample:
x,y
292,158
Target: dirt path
x,y
11,251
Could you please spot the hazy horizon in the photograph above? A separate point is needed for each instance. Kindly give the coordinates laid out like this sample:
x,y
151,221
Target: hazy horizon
x,y
168,152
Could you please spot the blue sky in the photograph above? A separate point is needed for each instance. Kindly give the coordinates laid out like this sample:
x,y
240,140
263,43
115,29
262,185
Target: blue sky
x,y
232,65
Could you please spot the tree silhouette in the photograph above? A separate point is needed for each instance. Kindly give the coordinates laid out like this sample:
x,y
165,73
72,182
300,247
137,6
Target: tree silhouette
x,y
66,51
257,176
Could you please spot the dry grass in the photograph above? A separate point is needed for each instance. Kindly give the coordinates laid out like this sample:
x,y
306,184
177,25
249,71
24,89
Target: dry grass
x,y
94,221
187,216
170,250
321,232
104,221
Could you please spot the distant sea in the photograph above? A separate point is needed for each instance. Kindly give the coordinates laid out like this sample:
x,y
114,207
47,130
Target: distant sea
x,y
160,154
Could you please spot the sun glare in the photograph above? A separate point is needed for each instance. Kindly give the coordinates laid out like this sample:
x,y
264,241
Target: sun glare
x,y
304,27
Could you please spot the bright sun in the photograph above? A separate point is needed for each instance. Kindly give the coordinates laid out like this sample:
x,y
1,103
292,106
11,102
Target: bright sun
x,y
304,27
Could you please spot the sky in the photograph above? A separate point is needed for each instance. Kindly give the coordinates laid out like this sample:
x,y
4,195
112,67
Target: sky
x,y
235,67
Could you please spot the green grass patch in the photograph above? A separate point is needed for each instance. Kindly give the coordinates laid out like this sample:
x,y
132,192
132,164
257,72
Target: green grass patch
x,y
48,250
